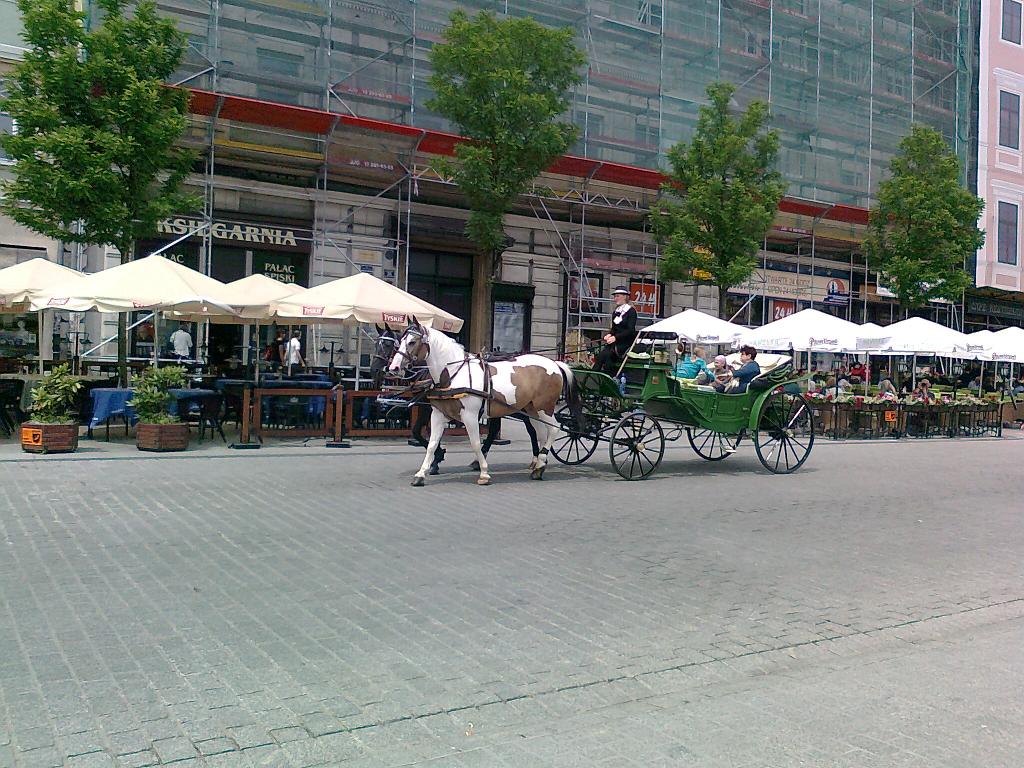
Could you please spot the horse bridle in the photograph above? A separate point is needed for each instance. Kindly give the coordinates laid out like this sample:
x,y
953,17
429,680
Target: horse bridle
x,y
416,355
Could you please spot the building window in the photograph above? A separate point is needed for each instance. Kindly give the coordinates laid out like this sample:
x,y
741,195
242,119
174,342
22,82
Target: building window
x,y
1009,120
1007,233
1011,21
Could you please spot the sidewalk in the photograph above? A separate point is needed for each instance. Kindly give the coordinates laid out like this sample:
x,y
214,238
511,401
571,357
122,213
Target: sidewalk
x,y
123,448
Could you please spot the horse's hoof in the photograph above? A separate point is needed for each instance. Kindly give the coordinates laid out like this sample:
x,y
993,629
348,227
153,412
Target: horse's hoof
x,y
483,481
434,470
417,482
537,474
475,466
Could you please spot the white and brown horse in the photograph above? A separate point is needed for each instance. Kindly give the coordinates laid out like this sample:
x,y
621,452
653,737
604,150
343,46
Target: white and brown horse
x,y
528,384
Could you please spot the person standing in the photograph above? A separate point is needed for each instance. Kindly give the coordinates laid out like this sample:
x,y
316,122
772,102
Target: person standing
x,y
620,335
280,351
294,360
181,344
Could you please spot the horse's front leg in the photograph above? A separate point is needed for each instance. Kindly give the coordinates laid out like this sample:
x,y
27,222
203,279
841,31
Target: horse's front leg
x,y
473,432
437,424
493,428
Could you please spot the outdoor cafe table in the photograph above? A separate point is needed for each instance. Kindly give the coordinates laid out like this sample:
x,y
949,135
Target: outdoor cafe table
x,y
108,402
316,406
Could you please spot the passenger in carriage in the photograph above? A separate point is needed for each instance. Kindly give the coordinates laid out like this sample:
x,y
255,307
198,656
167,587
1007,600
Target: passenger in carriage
x,y
692,366
748,370
722,373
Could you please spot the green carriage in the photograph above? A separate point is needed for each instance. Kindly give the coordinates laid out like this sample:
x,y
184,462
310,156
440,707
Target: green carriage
x,y
647,407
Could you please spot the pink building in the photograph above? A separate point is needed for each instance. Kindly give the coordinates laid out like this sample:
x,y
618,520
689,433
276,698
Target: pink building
x,y
1000,155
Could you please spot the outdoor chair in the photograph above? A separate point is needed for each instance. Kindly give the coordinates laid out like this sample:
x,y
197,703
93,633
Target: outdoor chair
x,y
210,415
10,405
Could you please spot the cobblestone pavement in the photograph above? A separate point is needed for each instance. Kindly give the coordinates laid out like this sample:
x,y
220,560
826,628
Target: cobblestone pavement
x,y
298,608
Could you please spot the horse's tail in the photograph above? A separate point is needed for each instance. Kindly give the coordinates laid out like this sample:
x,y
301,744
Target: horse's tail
x,y
572,396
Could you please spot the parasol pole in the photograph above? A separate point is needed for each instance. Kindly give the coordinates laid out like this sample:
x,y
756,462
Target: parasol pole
x,y
156,338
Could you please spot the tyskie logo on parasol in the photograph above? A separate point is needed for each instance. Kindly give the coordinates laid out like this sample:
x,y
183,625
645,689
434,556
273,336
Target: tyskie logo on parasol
x,y
57,302
394,318
313,311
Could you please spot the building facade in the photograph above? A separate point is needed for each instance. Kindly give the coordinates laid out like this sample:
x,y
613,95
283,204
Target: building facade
x,y
1000,271
311,116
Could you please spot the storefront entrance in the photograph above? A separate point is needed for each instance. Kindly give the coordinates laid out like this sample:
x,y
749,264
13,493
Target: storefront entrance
x,y
445,280
279,251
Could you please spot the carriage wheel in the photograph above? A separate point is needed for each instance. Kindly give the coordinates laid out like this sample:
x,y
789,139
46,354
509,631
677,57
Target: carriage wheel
x,y
572,446
712,446
637,446
785,433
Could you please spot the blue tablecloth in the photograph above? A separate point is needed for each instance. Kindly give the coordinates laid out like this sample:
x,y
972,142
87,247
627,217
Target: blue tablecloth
x,y
108,402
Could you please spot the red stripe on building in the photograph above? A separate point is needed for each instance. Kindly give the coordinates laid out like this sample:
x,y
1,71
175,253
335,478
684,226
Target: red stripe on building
x,y
315,121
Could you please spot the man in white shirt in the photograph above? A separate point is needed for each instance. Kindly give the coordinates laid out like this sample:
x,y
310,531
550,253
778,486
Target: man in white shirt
x,y
181,343
294,353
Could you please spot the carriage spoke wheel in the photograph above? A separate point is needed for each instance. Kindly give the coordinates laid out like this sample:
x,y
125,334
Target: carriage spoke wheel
x,y
637,446
573,446
785,433
712,446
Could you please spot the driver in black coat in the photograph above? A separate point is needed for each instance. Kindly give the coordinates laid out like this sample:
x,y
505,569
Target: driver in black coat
x,y
620,335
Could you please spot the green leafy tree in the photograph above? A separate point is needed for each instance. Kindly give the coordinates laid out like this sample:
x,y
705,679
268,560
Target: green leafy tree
x,y
925,223
722,195
96,158
504,84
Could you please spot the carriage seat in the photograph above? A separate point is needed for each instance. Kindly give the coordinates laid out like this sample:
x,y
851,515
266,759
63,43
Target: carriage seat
x,y
766,360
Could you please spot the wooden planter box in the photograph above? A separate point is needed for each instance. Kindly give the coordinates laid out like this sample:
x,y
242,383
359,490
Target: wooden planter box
x,y
161,437
49,438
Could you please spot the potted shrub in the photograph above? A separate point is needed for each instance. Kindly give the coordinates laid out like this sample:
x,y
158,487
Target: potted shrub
x,y
53,428
157,429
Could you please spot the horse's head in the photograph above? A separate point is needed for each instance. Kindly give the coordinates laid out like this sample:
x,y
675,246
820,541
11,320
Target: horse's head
x,y
383,352
413,348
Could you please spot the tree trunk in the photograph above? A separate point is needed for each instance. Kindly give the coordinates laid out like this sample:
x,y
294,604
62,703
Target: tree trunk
x,y
722,302
480,314
127,254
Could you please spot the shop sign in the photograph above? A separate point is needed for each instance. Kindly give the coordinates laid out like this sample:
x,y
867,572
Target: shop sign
x,y
279,267
777,284
243,233
781,309
701,275
998,308
645,297
367,268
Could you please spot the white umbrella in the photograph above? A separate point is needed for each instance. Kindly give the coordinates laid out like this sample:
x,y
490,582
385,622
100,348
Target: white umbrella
x,y
150,283
1009,341
915,336
697,327
251,299
805,331
18,283
363,298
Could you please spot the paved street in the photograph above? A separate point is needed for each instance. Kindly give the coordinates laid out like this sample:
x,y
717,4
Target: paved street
x,y
301,607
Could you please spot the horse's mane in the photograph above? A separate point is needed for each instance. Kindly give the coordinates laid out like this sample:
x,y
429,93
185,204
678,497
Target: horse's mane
x,y
448,348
